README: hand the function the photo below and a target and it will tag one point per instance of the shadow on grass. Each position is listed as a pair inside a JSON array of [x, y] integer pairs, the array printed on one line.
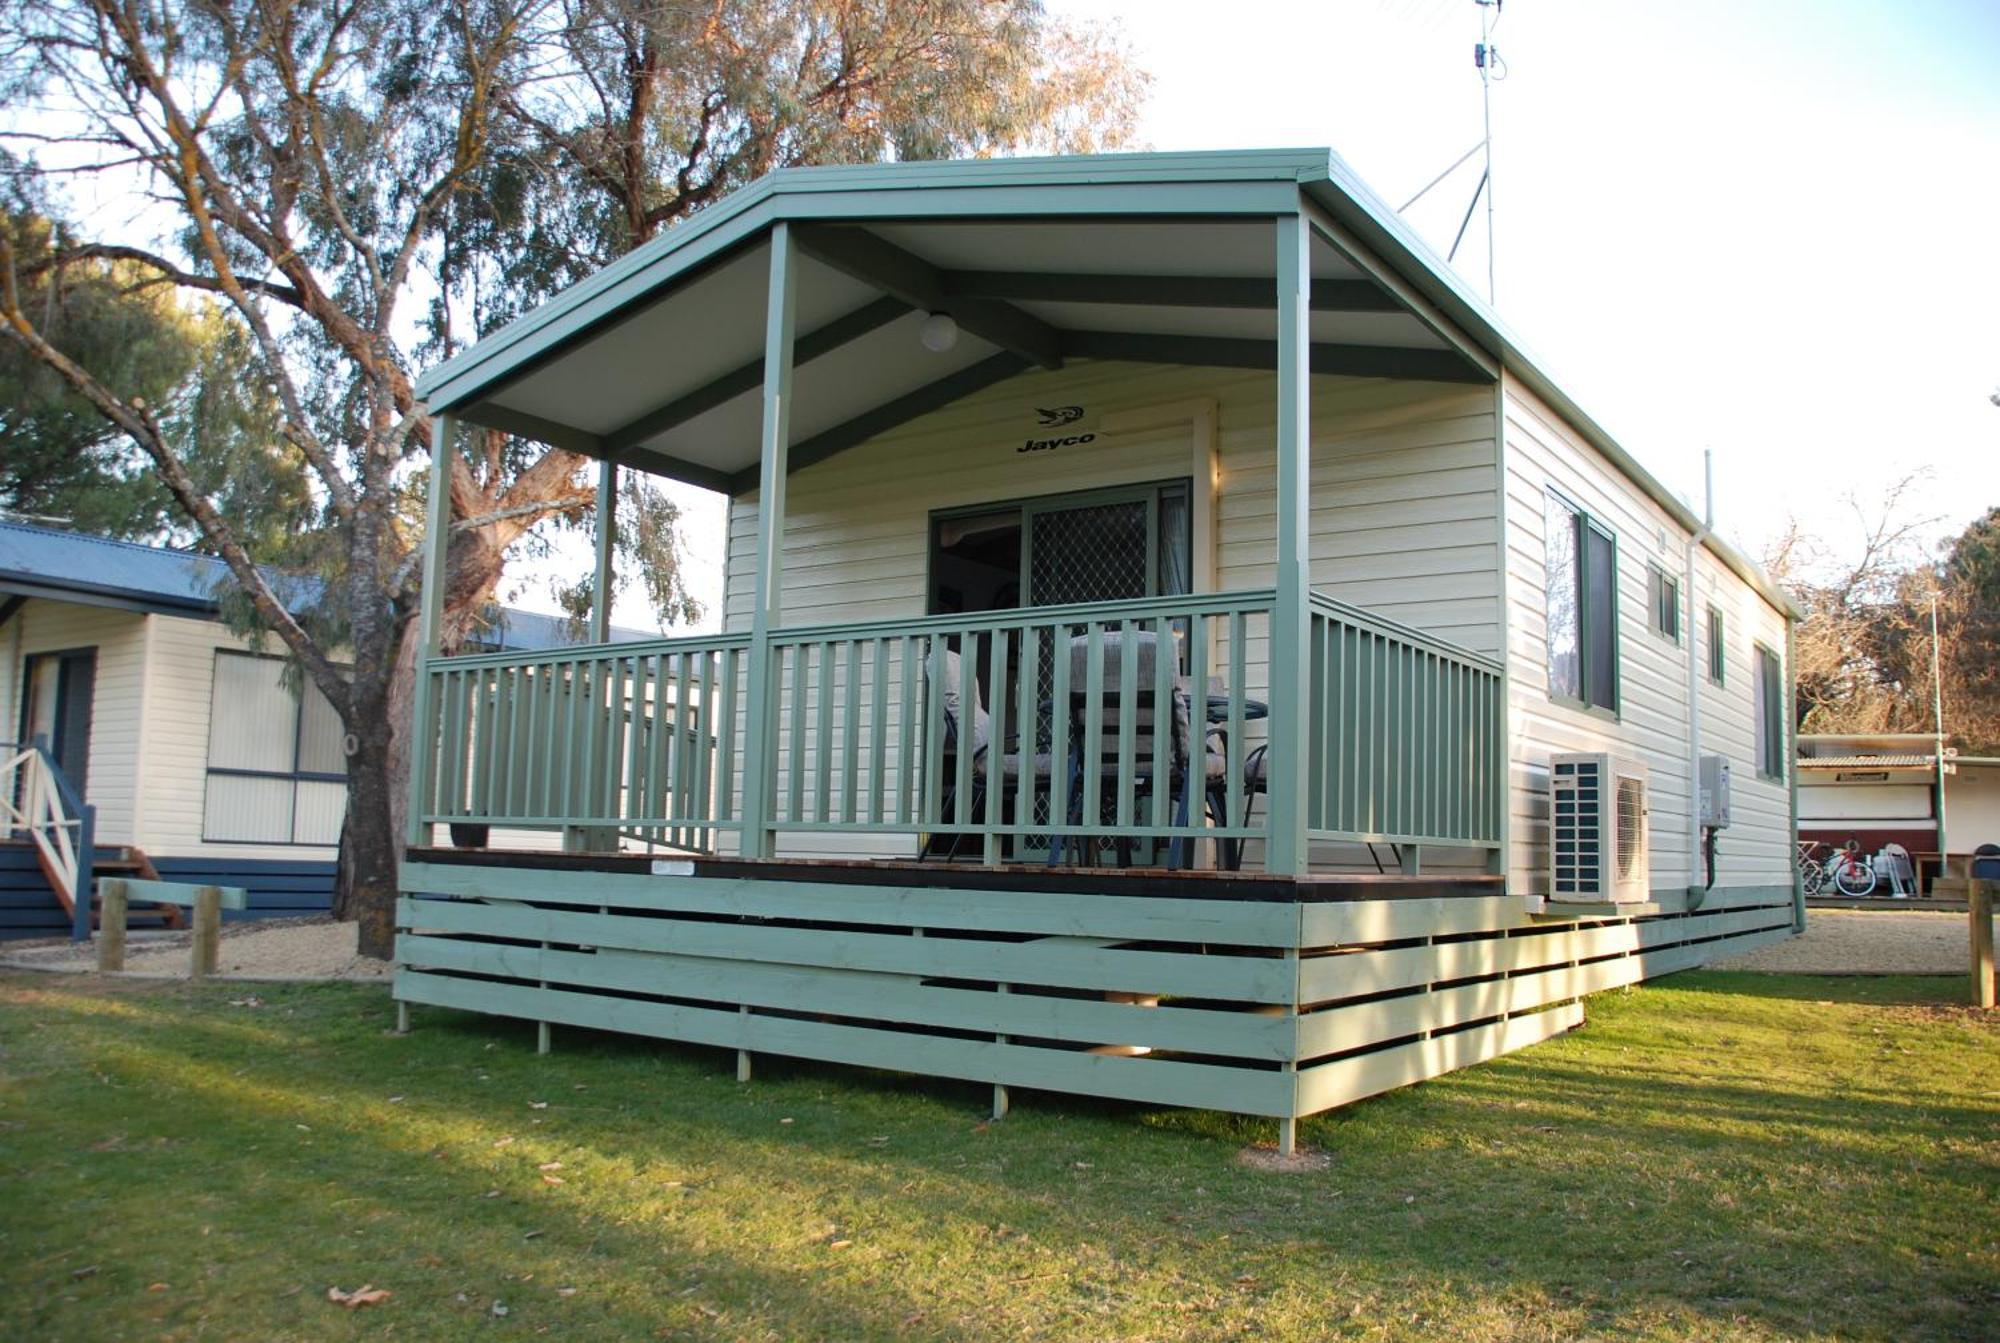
[[1567, 1181]]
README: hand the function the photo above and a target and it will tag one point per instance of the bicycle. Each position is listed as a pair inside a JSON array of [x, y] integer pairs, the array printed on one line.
[[1847, 870]]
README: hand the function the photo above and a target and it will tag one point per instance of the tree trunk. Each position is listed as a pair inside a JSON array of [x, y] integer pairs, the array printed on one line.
[[370, 842]]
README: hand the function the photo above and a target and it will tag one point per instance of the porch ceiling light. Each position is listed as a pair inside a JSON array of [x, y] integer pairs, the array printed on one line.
[[938, 333]]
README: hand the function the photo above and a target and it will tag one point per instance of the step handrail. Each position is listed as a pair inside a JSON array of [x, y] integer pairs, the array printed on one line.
[[38, 799]]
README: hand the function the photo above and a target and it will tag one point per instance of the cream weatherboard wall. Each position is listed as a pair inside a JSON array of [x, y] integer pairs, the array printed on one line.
[[116, 740], [1544, 454], [150, 719], [1403, 490], [180, 699], [1404, 515]]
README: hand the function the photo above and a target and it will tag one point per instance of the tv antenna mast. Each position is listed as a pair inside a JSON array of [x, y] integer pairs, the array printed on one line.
[[1486, 57]]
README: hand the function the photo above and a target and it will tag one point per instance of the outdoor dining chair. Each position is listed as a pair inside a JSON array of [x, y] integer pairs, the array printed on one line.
[[1146, 715], [968, 726]]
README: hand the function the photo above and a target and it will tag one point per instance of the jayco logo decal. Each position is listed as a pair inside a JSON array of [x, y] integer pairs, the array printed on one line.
[[1056, 417], [1051, 444]]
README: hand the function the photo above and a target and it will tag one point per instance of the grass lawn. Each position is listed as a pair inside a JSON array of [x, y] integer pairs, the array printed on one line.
[[1719, 1155]]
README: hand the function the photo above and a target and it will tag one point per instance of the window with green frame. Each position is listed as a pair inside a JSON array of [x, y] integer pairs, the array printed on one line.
[[1768, 694], [1582, 592], [1663, 598], [1718, 650]]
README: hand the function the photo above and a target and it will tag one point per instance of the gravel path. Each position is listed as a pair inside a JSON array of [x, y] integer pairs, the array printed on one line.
[[1865, 941], [1836, 941], [269, 948]]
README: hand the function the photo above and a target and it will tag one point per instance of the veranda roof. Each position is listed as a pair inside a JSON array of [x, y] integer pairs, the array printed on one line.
[[656, 361]]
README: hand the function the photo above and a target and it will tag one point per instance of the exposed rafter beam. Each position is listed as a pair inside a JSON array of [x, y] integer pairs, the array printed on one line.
[[874, 260], [881, 419], [749, 377], [1365, 361], [524, 425], [1163, 291]]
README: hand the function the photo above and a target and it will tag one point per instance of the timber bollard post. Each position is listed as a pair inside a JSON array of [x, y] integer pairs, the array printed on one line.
[[111, 925], [207, 931], [1979, 912]]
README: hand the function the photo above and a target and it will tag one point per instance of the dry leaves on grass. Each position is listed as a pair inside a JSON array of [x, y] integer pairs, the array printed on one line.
[[368, 1294]]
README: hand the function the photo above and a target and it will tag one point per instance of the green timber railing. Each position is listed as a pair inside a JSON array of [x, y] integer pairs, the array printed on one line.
[[867, 742], [1407, 734], [635, 737], [871, 743]]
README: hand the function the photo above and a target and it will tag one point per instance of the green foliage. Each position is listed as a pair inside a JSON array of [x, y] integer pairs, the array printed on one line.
[[1716, 1156], [186, 359]]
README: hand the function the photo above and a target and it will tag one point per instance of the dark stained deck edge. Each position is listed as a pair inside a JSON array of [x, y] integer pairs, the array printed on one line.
[[1156, 883]]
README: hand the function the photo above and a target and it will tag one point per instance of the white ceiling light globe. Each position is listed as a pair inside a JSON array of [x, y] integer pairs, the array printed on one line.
[[938, 333]]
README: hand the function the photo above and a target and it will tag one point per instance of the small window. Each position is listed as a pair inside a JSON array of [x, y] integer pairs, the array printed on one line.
[[1769, 714], [1582, 591], [1663, 596], [277, 773], [1718, 650]]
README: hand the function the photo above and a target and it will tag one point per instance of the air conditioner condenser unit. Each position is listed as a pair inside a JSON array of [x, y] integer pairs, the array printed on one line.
[[1598, 831]]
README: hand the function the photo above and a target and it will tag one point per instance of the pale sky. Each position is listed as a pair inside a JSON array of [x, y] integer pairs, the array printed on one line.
[[1770, 229]]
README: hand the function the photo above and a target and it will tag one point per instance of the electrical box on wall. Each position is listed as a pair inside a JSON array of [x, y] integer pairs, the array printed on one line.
[[1715, 792]]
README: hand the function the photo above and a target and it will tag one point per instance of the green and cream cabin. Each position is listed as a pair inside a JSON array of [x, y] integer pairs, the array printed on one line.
[[1212, 429]]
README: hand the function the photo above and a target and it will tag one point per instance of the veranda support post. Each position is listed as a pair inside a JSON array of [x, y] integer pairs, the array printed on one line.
[[430, 616], [599, 839], [607, 537], [1286, 758], [765, 614]]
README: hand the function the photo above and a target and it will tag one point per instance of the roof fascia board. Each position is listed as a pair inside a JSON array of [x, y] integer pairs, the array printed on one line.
[[115, 599]]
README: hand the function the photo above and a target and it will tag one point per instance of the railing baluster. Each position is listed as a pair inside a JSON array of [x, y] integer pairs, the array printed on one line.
[[850, 737], [1128, 717], [967, 748], [823, 748], [1060, 748], [725, 737], [908, 715], [878, 728], [1093, 726], [795, 759], [933, 737], [1195, 785], [1028, 728], [996, 750], [696, 807], [1238, 629]]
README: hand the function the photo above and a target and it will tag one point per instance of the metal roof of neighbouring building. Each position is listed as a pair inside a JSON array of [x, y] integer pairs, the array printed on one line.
[[58, 565]]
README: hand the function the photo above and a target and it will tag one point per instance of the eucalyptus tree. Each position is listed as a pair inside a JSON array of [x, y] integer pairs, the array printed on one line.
[[293, 164], [357, 187]]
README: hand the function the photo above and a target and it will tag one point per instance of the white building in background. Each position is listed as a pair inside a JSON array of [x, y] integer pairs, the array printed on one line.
[[1887, 788]]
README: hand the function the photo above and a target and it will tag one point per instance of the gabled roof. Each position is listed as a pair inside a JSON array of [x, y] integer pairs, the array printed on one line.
[[1165, 258], [46, 562]]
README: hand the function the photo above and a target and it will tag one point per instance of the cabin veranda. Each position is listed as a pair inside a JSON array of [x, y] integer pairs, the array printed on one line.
[[1158, 601]]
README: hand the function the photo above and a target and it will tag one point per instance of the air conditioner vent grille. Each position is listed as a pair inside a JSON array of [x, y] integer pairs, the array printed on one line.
[[1597, 829]]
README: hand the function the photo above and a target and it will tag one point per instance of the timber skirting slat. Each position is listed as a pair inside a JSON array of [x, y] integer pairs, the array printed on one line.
[[1098, 982]]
